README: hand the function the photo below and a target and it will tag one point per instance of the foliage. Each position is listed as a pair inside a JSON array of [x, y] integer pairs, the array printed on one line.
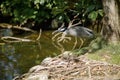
[[42, 10], [22, 10], [90, 9]]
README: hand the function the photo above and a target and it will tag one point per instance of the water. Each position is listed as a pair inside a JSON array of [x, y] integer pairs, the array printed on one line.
[[17, 58]]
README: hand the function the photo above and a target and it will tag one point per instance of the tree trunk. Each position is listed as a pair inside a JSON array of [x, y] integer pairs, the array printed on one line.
[[111, 21]]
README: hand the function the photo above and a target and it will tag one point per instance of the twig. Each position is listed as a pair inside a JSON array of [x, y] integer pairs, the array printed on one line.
[[24, 28], [59, 46], [76, 15], [71, 22], [76, 24], [15, 39], [53, 38], [57, 30], [89, 72], [39, 35]]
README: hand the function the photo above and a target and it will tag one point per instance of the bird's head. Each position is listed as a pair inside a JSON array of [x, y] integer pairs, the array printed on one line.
[[62, 29]]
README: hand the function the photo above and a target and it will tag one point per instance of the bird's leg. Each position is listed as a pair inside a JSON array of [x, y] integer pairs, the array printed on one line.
[[82, 41], [75, 43]]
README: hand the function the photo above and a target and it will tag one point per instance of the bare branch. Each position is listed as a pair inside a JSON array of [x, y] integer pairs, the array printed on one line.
[[71, 22], [76, 24], [53, 38], [15, 39], [39, 35], [72, 25], [63, 24], [23, 28], [5, 25], [76, 15]]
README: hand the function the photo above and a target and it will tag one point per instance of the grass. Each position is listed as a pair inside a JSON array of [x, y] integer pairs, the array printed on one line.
[[109, 53]]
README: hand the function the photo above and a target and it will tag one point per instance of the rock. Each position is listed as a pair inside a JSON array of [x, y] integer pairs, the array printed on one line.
[[6, 32], [46, 61], [36, 68], [39, 76]]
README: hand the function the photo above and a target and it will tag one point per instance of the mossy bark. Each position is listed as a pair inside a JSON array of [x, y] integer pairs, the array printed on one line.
[[111, 21]]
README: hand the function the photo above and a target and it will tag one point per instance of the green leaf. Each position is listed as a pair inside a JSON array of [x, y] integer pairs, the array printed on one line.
[[56, 10], [42, 2], [90, 8], [100, 12], [49, 5], [16, 13], [36, 1], [93, 15]]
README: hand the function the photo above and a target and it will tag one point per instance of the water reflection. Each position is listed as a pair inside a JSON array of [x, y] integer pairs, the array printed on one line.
[[8, 62], [17, 58]]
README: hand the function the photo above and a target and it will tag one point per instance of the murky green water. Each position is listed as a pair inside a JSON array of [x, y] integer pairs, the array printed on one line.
[[17, 58]]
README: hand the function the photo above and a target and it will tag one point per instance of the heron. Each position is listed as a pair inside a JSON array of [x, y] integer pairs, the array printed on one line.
[[77, 31]]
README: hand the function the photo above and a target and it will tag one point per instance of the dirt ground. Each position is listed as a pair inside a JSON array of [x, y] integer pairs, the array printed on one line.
[[71, 67]]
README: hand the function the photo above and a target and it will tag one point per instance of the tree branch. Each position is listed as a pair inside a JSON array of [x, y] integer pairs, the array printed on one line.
[[5, 25]]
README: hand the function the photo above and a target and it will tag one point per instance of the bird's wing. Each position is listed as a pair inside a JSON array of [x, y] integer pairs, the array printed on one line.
[[89, 30]]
